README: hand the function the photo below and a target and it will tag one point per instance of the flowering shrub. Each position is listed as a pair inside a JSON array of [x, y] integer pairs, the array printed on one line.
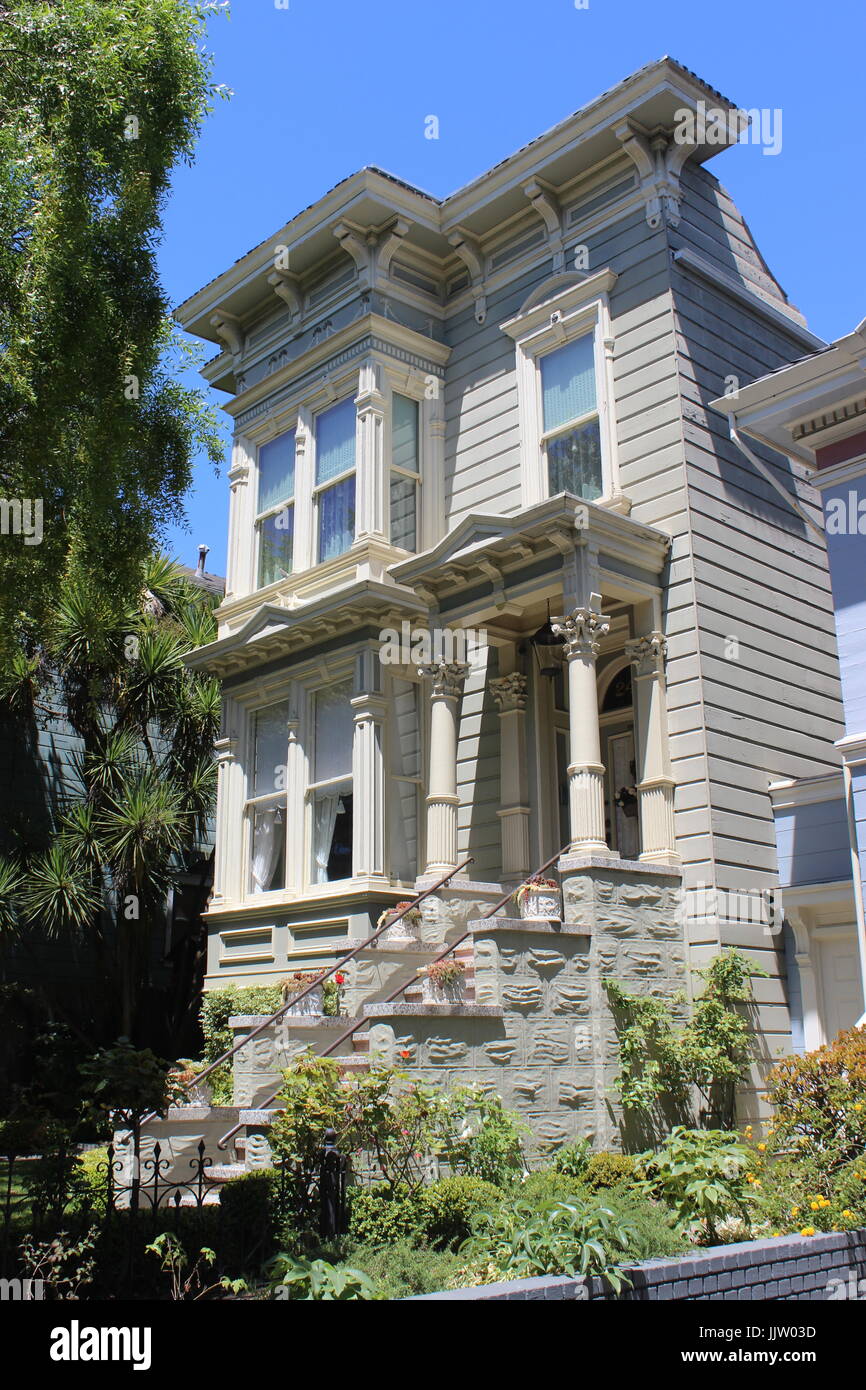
[[444, 973], [820, 1102], [410, 914]]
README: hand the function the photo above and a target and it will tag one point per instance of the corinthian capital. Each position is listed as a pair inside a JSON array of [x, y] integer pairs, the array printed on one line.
[[647, 654], [447, 677], [509, 692], [581, 632]]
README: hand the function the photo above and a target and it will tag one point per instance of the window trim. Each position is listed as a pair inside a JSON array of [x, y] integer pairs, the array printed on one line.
[[317, 489], [392, 469], [556, 313]]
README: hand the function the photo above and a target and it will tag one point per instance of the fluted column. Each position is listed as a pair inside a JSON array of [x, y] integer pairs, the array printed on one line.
[[655, 781], [447, 683], [509, 692], [368, 780], [581, 632]]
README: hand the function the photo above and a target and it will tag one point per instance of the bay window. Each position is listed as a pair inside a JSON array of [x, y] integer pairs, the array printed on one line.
[[571, 437], [330, 791], [334, 490], [275, 510], [405, 471], [265, 810]]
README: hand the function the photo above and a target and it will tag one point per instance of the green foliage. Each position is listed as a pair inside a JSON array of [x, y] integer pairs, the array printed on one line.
[[546, 1185], [186, 1278], [125, 1083], [318, 1280], [820, 1101], [92, 1186], [383, 1215], [450, 1205], [572, 1159], [662, 1060], [605, 1170], [99, 102], [576, 1237], [481, 1137], [402, 1270], [701, 1174], [65, 1264], [251, 1215], [219, 1005], [805, 1193]]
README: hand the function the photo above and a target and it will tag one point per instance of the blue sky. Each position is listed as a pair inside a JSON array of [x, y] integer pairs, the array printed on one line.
[[323, 87]]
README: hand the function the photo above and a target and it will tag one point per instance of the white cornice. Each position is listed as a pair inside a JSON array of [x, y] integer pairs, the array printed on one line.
[[808, 791]]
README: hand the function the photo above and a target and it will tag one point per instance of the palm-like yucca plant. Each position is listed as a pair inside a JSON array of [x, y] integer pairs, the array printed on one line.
[[11, 880], [149, 684], [164, 586], [198, 778], [58, 894]]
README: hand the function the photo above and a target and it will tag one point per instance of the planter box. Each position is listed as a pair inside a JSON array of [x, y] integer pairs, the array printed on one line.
[[311, 1006], [407, 929], [543, 904], [434, 993]]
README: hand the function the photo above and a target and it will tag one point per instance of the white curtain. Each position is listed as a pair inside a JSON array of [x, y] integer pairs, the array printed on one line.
[[266, 848], [324, 819]]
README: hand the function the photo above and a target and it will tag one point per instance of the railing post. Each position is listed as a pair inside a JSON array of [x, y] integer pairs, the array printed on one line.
[[332, 1189]]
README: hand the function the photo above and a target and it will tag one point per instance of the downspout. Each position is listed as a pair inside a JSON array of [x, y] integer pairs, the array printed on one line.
[[858, 881]]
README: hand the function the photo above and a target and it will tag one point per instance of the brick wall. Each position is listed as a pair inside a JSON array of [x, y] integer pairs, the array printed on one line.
[[820, 1267]]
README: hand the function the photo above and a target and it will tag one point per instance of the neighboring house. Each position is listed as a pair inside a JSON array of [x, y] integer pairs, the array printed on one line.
[[465, 415], [813, 413]]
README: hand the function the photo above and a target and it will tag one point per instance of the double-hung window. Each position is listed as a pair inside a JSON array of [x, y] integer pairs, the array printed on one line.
[[571, 438], [266, 799], [335, 479], [405, 475], [330, 790], [275, 509]]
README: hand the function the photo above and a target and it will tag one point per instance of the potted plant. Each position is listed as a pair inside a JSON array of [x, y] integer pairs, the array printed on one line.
[[186, 1089], [408, 928], [332, 993], [539, 899], [312, 1005], [443, 982]]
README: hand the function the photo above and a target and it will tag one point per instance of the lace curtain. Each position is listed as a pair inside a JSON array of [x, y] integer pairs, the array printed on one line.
[[266, 849], [325, 810]]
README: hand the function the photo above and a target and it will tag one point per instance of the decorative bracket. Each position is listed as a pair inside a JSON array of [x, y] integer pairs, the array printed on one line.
[[228, 330], [288, 286], [470, 252], [358, 247], [391, 244], [546, 204], [659, 161]]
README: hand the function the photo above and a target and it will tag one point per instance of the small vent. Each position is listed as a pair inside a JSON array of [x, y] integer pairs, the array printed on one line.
[[599, 200], [413, 277], [517, 248]]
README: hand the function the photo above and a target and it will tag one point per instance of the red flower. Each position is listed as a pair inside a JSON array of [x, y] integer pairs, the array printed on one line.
[[405, 1052], [340, 978]]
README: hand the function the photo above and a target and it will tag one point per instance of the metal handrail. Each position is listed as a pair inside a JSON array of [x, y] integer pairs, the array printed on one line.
[[319, 980], [359, 1022]]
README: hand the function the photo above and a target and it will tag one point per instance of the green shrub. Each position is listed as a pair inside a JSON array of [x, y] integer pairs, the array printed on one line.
[[401, 1270], [219, 1005], [93, 1181], [820, 1101], [318, 1280], [654, 1231], [798, 1194], [382, 1215], [701, 1174], [545, 1185], [519, 1240], [450, 1205], [573, 1159], [250, 1219], [606, 1170]]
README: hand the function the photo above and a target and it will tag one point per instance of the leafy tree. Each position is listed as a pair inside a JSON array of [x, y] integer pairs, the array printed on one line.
[[99, 101], [146, 774]]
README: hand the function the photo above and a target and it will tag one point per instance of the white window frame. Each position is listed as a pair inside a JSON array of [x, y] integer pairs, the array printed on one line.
[[253, 803], [262, 516], [316, 489], [343, 677], [555, 314]]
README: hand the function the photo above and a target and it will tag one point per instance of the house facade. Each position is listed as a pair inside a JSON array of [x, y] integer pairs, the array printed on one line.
[[500, 584], [813, 413]]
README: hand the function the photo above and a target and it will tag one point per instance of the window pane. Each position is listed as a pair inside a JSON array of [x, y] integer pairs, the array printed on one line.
[[268, 859], [404, 434], [336, 519], [276, 471], [335, 441], [335, 723], [271, 741], [403, 495], [276, 537], [568, 382], [574, 462]]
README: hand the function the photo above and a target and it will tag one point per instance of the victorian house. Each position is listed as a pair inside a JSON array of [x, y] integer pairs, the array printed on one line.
[[500, 582]]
